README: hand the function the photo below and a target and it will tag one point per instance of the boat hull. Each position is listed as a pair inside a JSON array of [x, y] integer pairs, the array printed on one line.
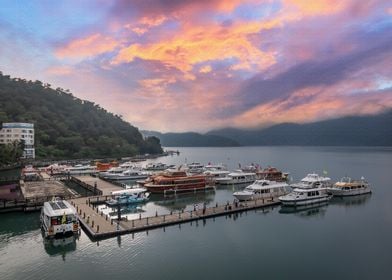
[[305, 201], [340, 192]]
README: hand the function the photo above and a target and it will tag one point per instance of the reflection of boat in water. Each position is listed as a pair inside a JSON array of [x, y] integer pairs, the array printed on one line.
[[180, 201], [351, 200], [305, 210], [59, 246]]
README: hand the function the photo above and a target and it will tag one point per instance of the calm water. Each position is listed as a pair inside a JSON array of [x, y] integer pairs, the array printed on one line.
[[347, 239]]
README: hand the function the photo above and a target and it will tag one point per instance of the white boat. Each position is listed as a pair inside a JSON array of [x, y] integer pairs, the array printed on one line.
[[129, 190], [59, 217], [80, 169], [263, 189], [215, 174], [195, 168], [156, 167], [131, 174], [346, 186], [215, 167], [128, 196], [305, 196], [112, 172], [313, 180], [236, 178]]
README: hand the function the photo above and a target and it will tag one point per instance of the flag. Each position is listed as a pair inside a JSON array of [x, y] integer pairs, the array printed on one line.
[[325, 172], [64, 219]]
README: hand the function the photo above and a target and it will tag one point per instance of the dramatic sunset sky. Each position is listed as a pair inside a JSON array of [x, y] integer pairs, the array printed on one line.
[[181, 65]]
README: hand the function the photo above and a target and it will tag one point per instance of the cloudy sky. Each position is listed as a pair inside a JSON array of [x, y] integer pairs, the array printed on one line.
[[182, 65]]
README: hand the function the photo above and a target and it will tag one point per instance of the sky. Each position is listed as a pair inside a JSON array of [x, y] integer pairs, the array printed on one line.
[[182, 65]]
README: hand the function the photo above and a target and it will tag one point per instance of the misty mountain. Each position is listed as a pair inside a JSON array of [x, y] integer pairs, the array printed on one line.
[[370, 130], [191, 139]]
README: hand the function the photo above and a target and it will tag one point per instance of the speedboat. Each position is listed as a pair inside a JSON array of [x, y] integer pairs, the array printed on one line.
[[128, 196], [195, 168], [236, 178], [346, 186], [262, 189]]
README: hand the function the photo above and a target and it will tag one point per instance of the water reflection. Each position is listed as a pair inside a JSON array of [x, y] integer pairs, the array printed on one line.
[[348, 201], [317, 209], [60, 246], [182, 201]]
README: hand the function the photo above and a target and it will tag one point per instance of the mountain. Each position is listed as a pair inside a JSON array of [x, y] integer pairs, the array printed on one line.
[[191, 139], [68, 127], [370, 130]]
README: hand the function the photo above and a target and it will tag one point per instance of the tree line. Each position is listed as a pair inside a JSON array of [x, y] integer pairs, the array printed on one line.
[[69, 127]]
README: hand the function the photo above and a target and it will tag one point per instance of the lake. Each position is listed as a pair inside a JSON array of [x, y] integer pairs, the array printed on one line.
[[350, 238]]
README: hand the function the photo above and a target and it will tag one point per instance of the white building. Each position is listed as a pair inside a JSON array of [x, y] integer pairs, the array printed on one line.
[[19, 131]]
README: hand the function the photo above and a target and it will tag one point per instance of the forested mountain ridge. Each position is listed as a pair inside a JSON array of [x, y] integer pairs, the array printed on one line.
[[68, 127]]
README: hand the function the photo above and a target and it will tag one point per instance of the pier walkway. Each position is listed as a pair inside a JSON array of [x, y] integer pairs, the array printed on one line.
[[97, 225], [95, 184]]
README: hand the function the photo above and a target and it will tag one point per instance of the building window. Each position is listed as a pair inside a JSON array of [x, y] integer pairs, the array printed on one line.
[[30, 131], [24, 131], [8, 130]]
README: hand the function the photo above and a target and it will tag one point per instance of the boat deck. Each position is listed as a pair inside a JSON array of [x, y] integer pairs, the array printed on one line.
[[99, 226]]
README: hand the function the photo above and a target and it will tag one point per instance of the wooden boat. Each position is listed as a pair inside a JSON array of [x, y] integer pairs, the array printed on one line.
[[271, 174], [176, 181]]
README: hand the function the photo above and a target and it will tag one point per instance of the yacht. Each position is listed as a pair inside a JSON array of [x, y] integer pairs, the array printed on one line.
[[80, 169], [215, 167], [313, 180], [118, 174], [215, 174], [347, 186], [59, 217], [305, 196], [311, 189], [263, 189], [195, 168], [237, 178], [156, 166]]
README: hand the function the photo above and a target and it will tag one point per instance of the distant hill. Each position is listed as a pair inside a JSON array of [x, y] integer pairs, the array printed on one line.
[[191, 139], [68, 127], [371, 130]]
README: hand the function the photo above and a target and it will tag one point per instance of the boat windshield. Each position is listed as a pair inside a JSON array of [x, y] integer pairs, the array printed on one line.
[[64, 219]]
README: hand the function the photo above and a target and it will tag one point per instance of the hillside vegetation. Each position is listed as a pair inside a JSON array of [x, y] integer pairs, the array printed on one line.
[[68, 127]]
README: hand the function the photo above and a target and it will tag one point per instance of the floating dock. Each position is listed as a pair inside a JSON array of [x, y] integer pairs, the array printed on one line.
[[96, 185], [98, 226]]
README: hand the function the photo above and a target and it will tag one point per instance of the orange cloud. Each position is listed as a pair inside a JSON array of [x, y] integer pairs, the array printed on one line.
[[195, 45], [318, 7], [87, 47]]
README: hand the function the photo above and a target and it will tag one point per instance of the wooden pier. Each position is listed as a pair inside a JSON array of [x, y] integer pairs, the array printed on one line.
[[96, 185], [98, 226]]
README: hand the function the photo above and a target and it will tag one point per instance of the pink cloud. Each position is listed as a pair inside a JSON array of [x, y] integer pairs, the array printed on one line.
[[89, 46]]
